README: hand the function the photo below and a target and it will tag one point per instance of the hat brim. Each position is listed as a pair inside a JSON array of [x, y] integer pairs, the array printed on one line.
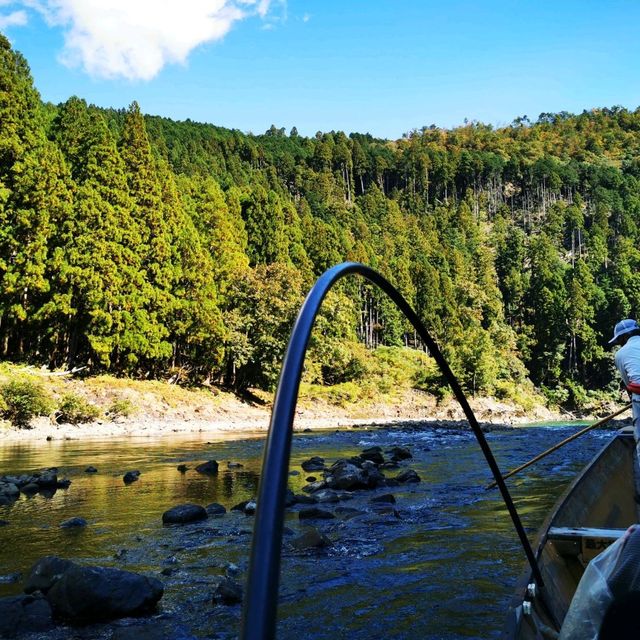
[[615, 339]]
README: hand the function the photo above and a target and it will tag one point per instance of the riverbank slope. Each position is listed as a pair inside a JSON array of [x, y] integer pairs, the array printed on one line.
[[125, 407]]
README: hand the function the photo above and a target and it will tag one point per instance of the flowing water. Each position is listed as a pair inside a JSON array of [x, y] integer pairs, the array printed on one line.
[[446, 567]]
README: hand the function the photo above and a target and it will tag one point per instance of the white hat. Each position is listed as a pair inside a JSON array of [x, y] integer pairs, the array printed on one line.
[[623, 327]]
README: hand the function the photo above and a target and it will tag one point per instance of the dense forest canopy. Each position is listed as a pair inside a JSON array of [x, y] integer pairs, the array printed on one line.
[[139, 245]]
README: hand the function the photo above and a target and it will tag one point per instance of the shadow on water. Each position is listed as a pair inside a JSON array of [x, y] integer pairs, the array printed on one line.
[[443, 567]]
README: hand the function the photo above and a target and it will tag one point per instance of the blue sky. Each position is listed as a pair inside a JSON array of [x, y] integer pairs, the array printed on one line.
[[378, 66]]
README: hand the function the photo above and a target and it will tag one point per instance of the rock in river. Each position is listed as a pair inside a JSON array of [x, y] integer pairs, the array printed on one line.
[[344, 474], [130, 476], [24, 614], [45, 573], [408, 476], [91, 594], [227, 591], [73, 523], [215, 509], [184, 513], [310, 538], [316, 463], [209, 468], [400, 453], [385, 498], [308, 513], [374, 454]]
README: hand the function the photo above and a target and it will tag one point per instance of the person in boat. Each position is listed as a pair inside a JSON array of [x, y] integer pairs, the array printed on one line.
[[627, 334]]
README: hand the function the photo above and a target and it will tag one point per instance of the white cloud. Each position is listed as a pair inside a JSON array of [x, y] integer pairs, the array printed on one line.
[[13, 19], [135, 39]]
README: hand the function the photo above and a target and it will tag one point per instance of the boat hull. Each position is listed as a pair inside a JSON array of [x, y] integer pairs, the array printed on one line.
[[596, 509]]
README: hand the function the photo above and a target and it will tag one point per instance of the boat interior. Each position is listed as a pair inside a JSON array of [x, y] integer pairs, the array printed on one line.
[[595, 511]]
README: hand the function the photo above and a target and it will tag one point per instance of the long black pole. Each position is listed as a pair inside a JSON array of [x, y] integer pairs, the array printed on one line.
[[261, 600]]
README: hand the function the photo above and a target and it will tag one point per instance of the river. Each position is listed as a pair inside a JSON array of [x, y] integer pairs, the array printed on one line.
[[445, 568]]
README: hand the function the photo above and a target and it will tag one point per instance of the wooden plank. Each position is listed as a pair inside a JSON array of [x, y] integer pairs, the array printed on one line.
[[584, 532]]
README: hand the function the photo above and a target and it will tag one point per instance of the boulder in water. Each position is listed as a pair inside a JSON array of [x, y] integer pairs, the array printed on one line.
[[184, 513], [227, 591], [344, 474], [309, 513], [45, 573], [316, 463], [310, 538], [91, 594], [215, 509], [373, 454], [385, 498], [130, 476], [400, 453], [24, 614], [408, 476], [73, 523], [209, 468], [30, 489]]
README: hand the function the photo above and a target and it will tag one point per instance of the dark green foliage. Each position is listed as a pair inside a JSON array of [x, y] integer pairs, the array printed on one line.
[[140, 245], [23, 400]]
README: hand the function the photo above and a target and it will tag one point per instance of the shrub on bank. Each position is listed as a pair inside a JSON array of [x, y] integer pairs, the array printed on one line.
[[74, 409], [120, 408], [22, 400]]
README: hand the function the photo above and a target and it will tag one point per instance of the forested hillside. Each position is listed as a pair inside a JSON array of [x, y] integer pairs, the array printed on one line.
[[142, 246]]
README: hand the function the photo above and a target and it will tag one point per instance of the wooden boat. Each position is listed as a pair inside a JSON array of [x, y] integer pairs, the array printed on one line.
[[596, 510]]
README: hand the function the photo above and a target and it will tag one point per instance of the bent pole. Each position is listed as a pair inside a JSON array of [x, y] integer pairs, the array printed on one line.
[[259, 613], [599, 423]]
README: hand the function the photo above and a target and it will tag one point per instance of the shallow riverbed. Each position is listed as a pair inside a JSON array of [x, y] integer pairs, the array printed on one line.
[[445, 568]]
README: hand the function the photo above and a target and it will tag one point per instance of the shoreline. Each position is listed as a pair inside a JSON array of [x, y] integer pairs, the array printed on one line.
[[156, 409], [237, 421], [159, 410]]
